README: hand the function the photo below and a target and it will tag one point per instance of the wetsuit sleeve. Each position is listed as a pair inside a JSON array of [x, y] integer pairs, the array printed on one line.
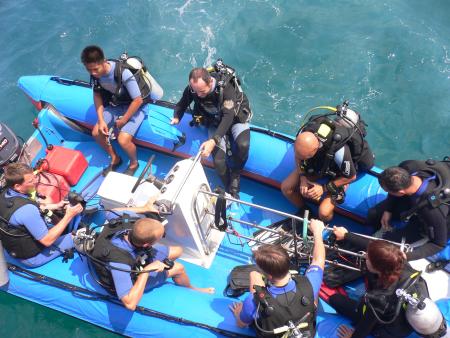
[[122, 280], [436, 224], [248, 310], [183, 104], [344, 162], [229, 105], [131, 84], [315, 277], [358, 242], [30, 217]]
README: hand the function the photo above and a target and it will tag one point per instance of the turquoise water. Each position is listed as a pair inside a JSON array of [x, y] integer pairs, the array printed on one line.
[[391, 60]]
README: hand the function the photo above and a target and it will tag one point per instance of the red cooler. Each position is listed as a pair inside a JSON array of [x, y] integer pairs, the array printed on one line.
[[68, 163]]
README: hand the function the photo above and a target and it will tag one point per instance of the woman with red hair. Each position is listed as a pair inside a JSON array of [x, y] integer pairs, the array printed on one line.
[[375, 313]]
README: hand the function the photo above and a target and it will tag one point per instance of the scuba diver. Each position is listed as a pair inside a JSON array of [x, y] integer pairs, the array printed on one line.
[[381, 312], [24, 229], [221, 106], [329, 148], [418, 193], [120, 93], [128, 260], [279, 301]]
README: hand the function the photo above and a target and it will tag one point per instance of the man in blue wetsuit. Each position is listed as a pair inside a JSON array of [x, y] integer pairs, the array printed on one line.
[[23, 230], [277, 297], [131, 244], [119, 103]]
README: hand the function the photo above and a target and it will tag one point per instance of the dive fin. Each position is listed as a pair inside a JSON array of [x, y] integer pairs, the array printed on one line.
[[160, 125]]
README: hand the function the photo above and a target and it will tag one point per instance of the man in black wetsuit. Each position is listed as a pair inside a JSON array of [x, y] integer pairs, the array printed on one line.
[[412, 186], [222, 107], [310, 154]]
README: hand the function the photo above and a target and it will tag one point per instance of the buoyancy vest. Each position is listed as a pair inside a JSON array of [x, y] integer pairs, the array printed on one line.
[[291, 306], [121, 95], [210, 107], [106, 252], [17, 240], [333, 135], [440, 194], [385, 302]]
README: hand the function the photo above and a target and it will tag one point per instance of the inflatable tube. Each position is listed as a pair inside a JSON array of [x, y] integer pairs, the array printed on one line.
[[166, 311]]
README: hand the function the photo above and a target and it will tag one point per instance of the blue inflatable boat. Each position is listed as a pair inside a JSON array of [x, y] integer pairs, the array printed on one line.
[[66, 115]]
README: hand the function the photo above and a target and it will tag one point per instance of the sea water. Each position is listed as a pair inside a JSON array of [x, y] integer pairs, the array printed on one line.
[[389, 59]]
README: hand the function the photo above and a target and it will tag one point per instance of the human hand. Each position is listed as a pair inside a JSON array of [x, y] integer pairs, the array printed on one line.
[[236, 308], [385, 221], [103, 128], [304, 185], [339, 232], [315, 192], [120, 123], [207, 147], [72, 211], [61, 204], [316, 226], [175, 120], [345, 331], [157, 266], [150, 205]]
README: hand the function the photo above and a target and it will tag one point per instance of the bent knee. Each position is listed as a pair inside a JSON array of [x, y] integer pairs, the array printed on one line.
[[178, 269], [95, 132], [287, 188], [124, 139], [175, 252], [326, 211]]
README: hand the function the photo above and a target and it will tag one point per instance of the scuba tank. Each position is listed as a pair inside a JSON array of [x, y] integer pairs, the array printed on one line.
[[4, 277], [424, 316], [136, 64]]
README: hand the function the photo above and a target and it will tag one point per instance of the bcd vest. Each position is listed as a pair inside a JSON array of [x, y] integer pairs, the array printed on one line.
[[121, 95], [106, 252], [332, 136], [385, 301], [17, 240], [440, 194], [211, 105], [291, 306]]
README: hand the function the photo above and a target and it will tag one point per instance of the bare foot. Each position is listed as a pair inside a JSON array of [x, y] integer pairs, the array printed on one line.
[[204, 290]]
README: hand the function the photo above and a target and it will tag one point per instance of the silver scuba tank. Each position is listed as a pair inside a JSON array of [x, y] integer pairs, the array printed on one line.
[[348, 118], [423, 315], [4, 277], [426, 321]]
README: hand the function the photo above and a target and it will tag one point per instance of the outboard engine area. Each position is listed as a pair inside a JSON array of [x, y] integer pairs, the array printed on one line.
[[9, 146], [189, 213]]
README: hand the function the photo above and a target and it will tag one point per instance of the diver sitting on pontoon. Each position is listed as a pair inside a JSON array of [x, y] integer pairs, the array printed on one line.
[[330, 146], [419, 194]]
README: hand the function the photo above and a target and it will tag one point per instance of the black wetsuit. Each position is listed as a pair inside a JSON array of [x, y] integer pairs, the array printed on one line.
[[225, 114], [363, 318], [431, 222]]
